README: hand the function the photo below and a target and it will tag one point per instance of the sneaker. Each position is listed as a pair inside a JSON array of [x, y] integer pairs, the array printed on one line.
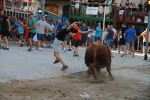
[[47, 46], [64, 68], [27, 45], [69, 50], [123, 54], [50, 47], [64, 50], [74, 53], [133, 56], [6, 48], [21, 45], [30, 50], [56, 61], [128, 52], [1, 47], [40, 49], [119, 51], [77, 55]]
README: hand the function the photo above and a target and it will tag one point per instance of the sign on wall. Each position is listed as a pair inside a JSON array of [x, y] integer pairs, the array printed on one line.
[[92, 10]]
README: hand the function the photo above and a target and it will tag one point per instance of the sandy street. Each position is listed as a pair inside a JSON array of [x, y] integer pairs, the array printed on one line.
[[131, 83]]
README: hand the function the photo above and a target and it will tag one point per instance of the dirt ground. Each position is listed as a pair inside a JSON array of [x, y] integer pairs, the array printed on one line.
[[131, 83]]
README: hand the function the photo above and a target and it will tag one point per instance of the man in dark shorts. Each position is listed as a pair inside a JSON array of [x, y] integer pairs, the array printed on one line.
[[121, 35], [32, 28], [5, 29], [60, 37]]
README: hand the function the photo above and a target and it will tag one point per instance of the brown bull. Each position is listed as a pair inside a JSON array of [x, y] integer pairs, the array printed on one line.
[[98, 56]]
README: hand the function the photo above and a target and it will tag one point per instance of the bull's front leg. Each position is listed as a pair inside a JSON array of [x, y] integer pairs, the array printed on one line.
[[94, 71], [89, 73]]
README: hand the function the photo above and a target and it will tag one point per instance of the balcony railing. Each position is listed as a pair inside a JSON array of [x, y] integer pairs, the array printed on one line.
[[99, 10], [23, 7]]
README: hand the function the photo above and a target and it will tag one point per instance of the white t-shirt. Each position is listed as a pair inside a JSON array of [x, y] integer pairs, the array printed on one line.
[[104, 34], [93, 33], [114, 30], [41, 26], [89, 35], [25, 0]]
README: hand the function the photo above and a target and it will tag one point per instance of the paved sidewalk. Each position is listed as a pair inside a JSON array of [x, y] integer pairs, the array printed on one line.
[[19, 64]]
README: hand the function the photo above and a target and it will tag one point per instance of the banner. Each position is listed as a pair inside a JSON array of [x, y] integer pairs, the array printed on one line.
[[92, 10]]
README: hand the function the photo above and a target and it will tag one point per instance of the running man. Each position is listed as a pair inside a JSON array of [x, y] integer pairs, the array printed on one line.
[[5, 29], [129, 36], [32, 28], [60, 37]]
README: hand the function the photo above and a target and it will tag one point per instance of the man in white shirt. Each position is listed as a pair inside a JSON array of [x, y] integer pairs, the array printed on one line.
[[41, 30], [114, 38]]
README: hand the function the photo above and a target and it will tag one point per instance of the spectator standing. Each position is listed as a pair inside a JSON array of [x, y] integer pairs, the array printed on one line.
[[104, 35], [21, 31], [127, 10], [11, 24], [144, 35], [134, 11], [59, 25], [32, 28], [121, 36], [93, 36], [84, 36], [84, 7], [98, 32], [26, 32], [77, 5], [72, 6], [142, 14], [129, 35], [41, 30], [109, 37], [140, 6], [89, 39], [15, 29], [114, 45], [121, 10], [5, 29], [51, 29]]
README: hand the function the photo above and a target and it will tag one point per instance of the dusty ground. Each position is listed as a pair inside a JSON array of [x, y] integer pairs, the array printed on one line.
[[131, 83]]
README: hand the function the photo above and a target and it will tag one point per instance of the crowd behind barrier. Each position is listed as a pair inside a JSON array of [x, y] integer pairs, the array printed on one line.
[[125, 10]]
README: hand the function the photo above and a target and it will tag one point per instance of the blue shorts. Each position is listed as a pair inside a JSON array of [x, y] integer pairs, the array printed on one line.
[[109, 42], [129, 42], [31, 35], [40, 36]]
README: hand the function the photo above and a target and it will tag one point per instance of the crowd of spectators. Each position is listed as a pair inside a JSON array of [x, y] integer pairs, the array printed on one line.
[[19, 5], [128, 11]]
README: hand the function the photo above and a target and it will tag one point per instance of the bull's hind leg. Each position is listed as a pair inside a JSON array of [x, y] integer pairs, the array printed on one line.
[[109, 72]]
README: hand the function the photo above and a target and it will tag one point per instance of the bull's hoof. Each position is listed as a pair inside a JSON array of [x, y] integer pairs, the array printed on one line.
[[95, 78], [87, 76], [112, 78]]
